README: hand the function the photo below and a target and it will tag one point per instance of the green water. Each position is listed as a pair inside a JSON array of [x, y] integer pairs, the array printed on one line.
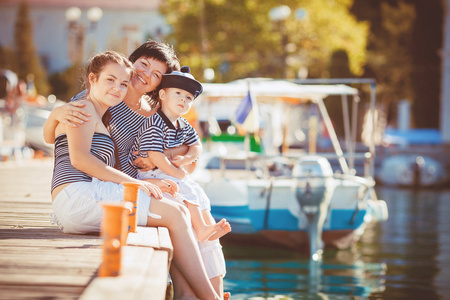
[[406, 257]]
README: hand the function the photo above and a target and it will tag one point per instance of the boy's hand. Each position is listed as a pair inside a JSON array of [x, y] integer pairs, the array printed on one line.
[[143, 163], [177, 161], [181, 173]]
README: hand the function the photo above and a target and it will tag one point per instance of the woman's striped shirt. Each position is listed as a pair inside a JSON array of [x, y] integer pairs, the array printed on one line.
[[123, 128], [102, 147]]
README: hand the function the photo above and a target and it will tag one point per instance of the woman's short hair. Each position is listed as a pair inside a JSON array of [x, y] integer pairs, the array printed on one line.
[[161, 52]]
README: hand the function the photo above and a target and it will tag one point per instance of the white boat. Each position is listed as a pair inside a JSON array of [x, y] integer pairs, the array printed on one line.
[[412, 158], [411, 170], [21, 121], [292, 198]]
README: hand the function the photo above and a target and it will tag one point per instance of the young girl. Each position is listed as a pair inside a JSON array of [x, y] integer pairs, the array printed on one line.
[[166, 130], [84, 174]]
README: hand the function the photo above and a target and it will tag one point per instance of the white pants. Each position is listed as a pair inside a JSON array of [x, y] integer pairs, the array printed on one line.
[[213, 259], [77, 208], [188, 189]]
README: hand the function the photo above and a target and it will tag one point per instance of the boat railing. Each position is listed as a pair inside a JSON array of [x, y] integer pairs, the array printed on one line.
[[251, 158], [367, 182]]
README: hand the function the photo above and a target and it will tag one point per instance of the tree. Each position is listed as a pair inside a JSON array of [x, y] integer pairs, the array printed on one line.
[[7, 60], [339, 68], [27, 60], [425, 50], [240, 40], [403, 53]]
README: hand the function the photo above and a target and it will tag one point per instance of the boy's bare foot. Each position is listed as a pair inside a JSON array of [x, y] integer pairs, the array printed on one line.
[[226, 296], [207, 231], [224, 228]]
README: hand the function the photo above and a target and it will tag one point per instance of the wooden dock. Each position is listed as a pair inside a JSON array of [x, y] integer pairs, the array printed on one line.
[[38, 261]]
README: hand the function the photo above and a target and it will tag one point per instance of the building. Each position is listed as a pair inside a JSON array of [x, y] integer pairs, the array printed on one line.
[[69, 30], [445, 86]]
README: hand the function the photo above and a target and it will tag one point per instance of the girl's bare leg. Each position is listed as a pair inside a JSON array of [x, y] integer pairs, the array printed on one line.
[[183, 291], [186, 255], [181, 288], [202, 230]]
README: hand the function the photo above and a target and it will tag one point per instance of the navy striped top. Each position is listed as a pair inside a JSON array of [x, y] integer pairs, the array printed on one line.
[[102, 147], [158, 133], [123, 128]]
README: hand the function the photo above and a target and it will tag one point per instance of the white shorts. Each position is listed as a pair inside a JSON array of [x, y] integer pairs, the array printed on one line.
[[188, 189], [77, 208]]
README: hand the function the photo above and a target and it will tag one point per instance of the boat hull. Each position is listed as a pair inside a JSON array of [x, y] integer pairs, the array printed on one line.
[[270, 210]]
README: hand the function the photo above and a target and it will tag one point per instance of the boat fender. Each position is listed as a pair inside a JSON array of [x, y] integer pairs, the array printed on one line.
[[378, 209]]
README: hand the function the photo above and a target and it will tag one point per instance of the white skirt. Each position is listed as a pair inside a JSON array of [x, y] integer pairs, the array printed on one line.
[[77, 208]]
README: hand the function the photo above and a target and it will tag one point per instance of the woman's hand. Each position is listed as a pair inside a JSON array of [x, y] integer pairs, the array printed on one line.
[[72, 114], [166, 185], [143, 163], [150, 189]]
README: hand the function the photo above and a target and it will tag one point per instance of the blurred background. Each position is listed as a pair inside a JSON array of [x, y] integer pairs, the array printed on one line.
[[400, 46], [399, 43]]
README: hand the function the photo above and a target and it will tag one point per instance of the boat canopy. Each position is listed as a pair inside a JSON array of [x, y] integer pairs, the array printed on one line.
[[270, 89]]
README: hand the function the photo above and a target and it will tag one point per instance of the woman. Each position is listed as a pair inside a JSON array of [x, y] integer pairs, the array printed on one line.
[[150, 60]]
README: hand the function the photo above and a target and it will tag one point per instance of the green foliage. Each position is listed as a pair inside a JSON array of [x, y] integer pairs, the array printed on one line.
[[7, 60], [390, 56], [242, 41], [68, 83], [404, 54], [339, 68], [26, 58], [426, 48]]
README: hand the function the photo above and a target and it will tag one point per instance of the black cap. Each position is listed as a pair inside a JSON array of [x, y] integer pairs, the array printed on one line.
[[182, 80]]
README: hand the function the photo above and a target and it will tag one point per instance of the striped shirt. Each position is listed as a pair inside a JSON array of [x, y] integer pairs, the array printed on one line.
[[158, 133], [123, 128], [102, 147]]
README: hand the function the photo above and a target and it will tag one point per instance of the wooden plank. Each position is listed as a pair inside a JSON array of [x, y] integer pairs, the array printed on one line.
[[38, 261], [145, 267], [135, 267], [155, 284], [49, 291], [144, 236], [165, 242]]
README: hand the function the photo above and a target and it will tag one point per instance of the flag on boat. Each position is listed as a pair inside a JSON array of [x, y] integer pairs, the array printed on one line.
[[246, 115]]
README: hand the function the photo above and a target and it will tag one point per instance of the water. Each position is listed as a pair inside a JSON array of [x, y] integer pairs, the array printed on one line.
[[406, 257]]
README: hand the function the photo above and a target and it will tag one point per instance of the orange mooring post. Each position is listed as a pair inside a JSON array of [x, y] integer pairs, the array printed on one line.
[[130, 194], [111, 231], [127, 208]]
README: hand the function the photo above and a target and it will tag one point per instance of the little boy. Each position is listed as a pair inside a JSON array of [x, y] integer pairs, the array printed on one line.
[[167, 129]]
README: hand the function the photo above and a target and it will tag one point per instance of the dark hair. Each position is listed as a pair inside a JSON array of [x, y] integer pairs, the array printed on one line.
[[161, 52], [99, 61]]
